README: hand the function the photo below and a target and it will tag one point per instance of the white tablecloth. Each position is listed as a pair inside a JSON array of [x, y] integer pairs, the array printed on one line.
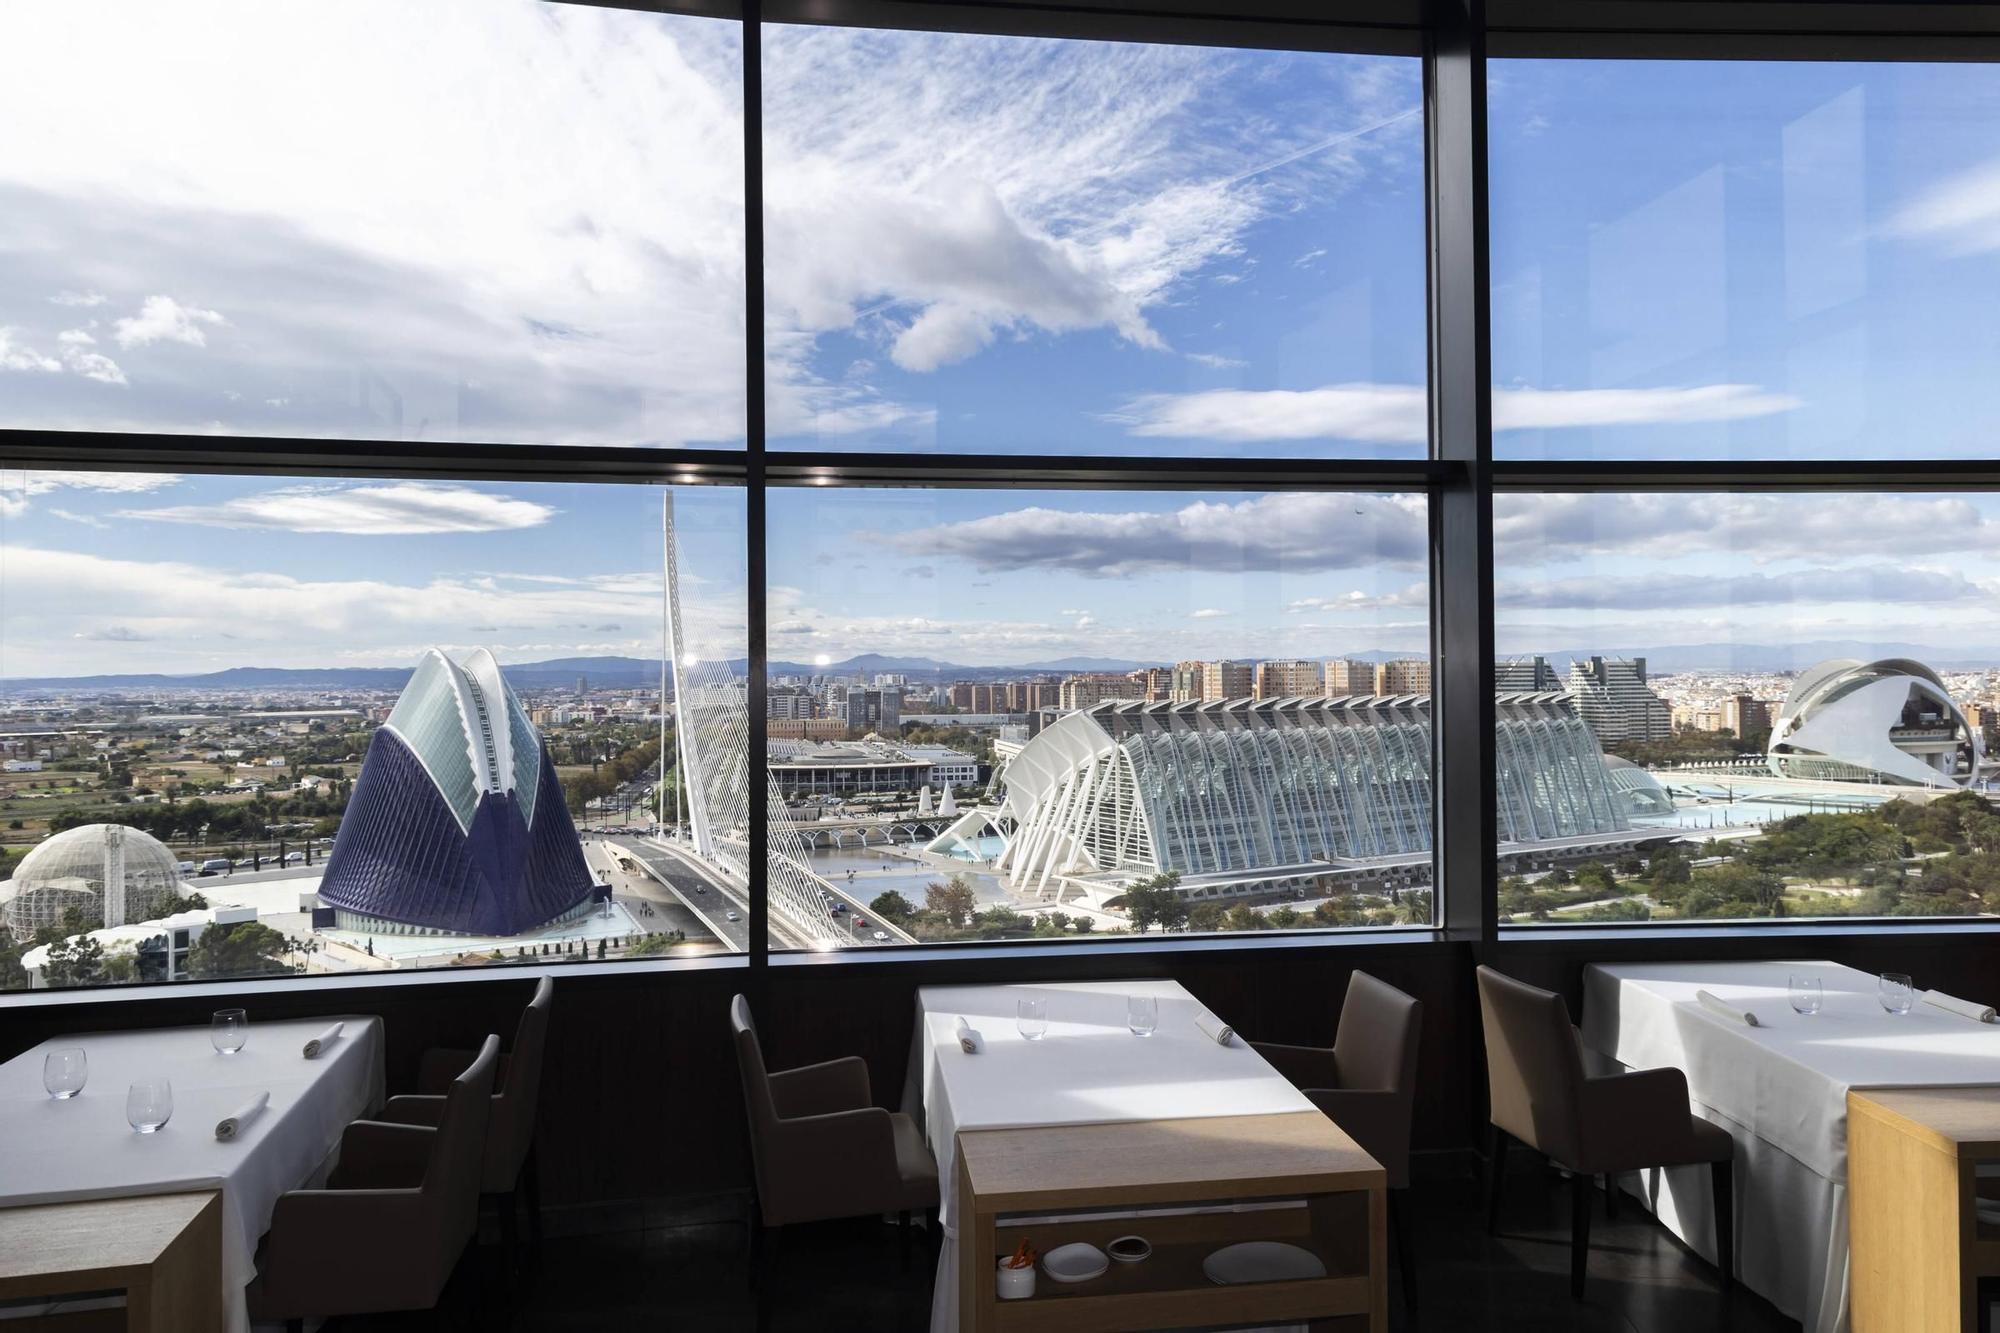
[[54, 1152], [1781, 1090], [1089, 1069]]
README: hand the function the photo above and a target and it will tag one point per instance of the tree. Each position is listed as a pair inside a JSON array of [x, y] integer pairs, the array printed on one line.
[[1206, 918], [248, 948], [1595, 875], [76, 961], [892, 906], [953, 901], [193, 902], [1157, 901]]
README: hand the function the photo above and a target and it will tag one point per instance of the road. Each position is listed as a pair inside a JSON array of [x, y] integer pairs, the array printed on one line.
[[710, 899]]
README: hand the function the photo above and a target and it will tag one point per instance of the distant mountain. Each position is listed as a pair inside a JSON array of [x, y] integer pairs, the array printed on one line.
[[622, 671], [1762, 658]]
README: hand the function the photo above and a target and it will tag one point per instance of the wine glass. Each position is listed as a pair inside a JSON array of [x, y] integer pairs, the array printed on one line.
[[228, 1030], [64, 1072], [1808, 995], [1031, 1018], [1895, 992], [1142, 1014], [149, 1104]]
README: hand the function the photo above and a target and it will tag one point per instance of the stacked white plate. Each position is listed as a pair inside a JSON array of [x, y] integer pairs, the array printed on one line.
[[1261, 1261], [1075, 1262]]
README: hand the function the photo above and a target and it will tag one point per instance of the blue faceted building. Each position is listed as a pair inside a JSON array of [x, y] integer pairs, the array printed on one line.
[[457, 824]]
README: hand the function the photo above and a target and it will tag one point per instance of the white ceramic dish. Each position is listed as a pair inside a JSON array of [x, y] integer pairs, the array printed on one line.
[[1261, 1261], [1075, 1262]]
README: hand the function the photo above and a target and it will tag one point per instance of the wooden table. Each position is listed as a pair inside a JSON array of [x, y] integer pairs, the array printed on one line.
[[164, 1251], [1918, 1247], [1006, 1175]]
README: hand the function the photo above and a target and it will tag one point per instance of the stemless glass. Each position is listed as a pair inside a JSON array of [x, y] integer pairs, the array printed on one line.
[[1031, 1018], [64, 1072], [228, 1030], [1807, 994], [1142, 1014], [149, 1104], [1894, 991]]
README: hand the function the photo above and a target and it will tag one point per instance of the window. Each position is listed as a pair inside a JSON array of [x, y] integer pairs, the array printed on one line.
[[349, 724], [1782, 705], [1012, 245], [1756, 260], [1004, 715], [494, 221]]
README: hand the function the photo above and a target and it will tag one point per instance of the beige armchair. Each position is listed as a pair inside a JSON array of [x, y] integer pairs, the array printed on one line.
[[821, 1149], [509, 1170], [1367, 1084], [396, 1214], [1539, 1094]]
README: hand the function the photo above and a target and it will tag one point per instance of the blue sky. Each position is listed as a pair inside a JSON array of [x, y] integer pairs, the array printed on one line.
[[974, 244]]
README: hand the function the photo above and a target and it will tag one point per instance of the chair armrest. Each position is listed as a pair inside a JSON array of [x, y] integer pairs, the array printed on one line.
[[441, 1064], [841, 1164], [319, 1227], [810, 1090], [375, 1155], [1377, 1120], [1635, 1119], [1303, 1066], [413, 1110]]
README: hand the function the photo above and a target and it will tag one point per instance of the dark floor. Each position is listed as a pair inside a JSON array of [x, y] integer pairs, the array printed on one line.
[[680, 1265]]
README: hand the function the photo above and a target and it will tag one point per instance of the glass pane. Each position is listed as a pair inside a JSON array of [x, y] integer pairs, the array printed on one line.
[[1024, 245], [1745, 706], [1744, 260], [250, 725], [1039, 715], [480, 220]]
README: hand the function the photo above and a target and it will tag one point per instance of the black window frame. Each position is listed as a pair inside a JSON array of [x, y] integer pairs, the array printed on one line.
[[1460, 476]]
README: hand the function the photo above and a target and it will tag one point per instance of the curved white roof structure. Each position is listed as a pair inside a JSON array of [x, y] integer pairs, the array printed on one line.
[[464, 725], [112, 873], [1888, 721]]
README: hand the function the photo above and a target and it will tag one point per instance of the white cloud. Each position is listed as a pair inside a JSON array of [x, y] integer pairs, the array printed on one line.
[[1415, 594], [78, 299], [163, 319], [1308, 258], [1960, 214], [17, 487], [1291, 532], [16, 356], [1533, 529], [372, 510], [1875, 585], [1207, 613], [1214, 362], [1396, 413]]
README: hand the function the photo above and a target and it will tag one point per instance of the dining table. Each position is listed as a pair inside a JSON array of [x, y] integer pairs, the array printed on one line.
[[1088, 1068], [83, 1147], [1780, 1088]]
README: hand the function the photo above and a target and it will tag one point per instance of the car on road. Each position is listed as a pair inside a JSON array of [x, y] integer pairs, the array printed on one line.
[[882, 936], [215, 865], [731, 915], [861, 923]]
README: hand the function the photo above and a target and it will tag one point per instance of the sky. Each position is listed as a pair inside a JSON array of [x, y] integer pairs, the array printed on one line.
[[521, 222]]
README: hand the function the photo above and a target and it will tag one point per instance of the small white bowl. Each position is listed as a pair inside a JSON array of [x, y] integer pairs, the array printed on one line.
[[1075, 1262], [1130, 1249], [1014, 1284]]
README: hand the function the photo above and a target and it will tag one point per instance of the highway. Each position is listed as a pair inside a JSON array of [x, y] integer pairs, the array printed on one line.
[[709, 899]]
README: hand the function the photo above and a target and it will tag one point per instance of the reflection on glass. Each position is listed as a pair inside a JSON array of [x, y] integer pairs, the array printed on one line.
[[1721, 259], [497, 221], [1028, 245], [1052, 715], [1775, 705]]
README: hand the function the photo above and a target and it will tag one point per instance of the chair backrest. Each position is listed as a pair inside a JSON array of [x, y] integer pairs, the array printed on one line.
[[512, 1132], [452, 1180], [756, 1089], [1376, 1045], [1534, 1066]]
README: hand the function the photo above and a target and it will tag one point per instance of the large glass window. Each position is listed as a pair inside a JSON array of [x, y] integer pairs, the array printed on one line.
[[1728, 259], [478, 220], [1776, 705], [1057, 714], [252, 725], [1008, 245]]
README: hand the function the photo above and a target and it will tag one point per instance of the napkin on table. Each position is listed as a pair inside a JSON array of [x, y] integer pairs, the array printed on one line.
[[1951, 1004], [1715, 1004], [232, 1124], [1214, 1028], [969, 1039], [322, 1041]]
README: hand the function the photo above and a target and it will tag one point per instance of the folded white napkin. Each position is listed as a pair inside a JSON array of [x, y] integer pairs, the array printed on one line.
[[1214, 1028], [322, 1041], [969, 1039], [1717, 1005], [232, 1124], [1951, 1004]]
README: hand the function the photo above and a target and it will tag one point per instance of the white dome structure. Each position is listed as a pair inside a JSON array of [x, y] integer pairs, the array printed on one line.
[[1889, 721], [111, 873]]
